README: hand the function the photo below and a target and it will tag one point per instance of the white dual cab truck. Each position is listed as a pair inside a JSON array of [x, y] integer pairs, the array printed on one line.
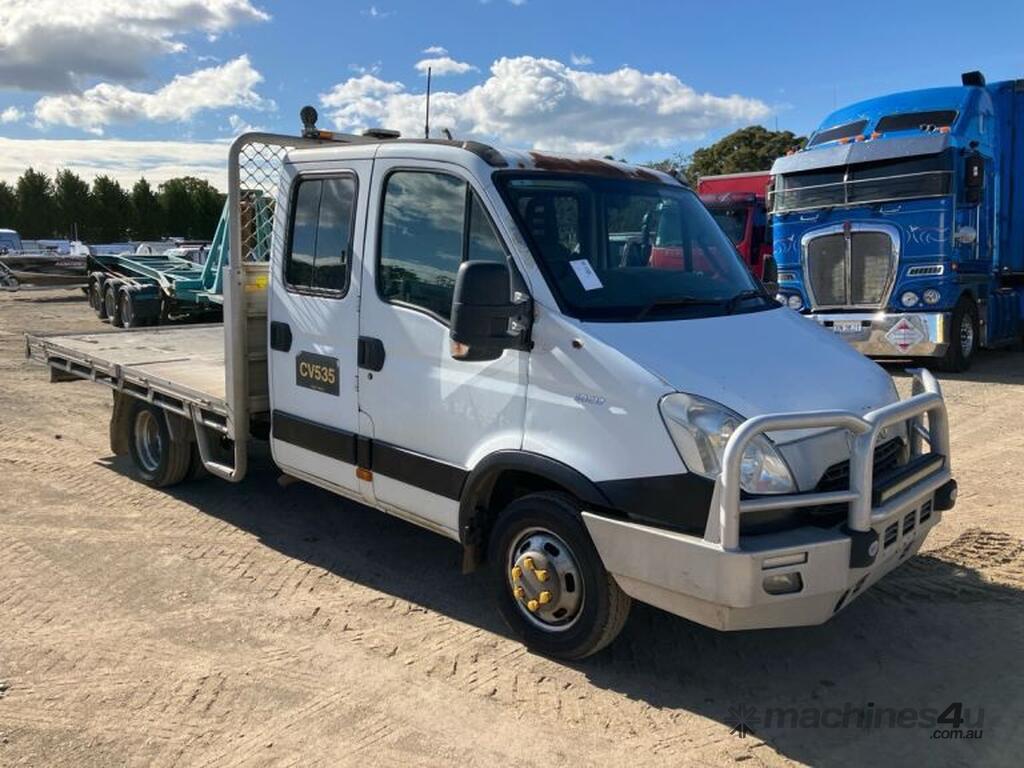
[[477, 341]]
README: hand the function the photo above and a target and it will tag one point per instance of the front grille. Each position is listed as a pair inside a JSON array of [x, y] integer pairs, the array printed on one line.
[[850, 269], [837, 477]]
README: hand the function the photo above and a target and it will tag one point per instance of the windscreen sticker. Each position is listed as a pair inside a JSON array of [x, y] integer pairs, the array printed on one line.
[[586, 275], [317, 372]]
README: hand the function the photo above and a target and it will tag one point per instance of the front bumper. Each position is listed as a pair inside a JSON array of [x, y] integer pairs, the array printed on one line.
[[720, 580], [891, 334]]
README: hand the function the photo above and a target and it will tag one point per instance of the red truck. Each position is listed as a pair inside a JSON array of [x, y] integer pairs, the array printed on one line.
[[738, 203]]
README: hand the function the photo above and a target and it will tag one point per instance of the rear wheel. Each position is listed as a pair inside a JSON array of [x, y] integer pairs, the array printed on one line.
[[963, 342], [550, 584], [97, 299], [111, 302], [159, 461], [129, 311]]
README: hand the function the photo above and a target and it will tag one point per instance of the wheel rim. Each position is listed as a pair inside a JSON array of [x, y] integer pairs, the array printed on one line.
[[111, 303], [543, 576], [126, 310], [149, 444], [966, 335]]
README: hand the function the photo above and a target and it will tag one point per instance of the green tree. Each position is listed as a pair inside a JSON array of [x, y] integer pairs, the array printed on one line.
[[8, 206], [147, 215], [191, 207], [72, 206], [35, 205], [754, 148], [112, 208]]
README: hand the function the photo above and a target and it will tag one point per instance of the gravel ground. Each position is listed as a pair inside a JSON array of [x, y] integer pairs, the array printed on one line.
[[261, 625]]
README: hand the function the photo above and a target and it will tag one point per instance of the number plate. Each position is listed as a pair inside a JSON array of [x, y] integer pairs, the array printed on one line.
[[846, 326]]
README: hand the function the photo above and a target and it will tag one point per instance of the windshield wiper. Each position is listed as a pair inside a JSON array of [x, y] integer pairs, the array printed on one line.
[[751, 293], [677, 301]]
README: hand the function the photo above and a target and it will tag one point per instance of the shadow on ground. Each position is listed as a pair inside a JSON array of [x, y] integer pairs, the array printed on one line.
[[931, 634]]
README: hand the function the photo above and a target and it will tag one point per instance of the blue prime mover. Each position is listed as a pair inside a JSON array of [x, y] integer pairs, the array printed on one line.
[[900, 226]]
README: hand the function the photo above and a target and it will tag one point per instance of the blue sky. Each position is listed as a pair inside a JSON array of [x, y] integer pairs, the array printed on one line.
[[159, 85]]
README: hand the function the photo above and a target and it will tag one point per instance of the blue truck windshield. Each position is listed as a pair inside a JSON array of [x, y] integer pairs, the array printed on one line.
[[619, 250], [864, 184]]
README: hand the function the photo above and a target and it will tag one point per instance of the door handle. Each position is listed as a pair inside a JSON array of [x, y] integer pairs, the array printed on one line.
[[280, 336], [370, 353]]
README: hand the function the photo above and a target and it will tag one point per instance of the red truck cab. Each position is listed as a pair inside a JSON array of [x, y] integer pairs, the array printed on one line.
[[738, 203]]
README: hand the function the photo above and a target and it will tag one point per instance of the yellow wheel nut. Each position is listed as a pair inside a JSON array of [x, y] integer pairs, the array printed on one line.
[[541, 574], [532, 606], [519, 592], [544, 597], [528, 563], [517, 572]]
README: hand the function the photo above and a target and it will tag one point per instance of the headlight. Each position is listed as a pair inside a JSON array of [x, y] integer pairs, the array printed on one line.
[[909, 299], [700, 430], [795, 302], [931, 296]]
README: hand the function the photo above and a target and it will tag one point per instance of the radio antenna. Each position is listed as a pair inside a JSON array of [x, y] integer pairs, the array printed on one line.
[[426, 122]]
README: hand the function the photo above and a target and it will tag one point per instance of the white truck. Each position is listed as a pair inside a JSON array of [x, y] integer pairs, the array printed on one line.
[[464, 337]]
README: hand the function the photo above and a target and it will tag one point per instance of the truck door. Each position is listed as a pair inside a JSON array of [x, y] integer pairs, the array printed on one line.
[[432, 417], [314, 311]]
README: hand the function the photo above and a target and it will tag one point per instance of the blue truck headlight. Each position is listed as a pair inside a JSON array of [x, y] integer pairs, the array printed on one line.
[[909, 299], [700, 429], [795, 302], [931, 296]]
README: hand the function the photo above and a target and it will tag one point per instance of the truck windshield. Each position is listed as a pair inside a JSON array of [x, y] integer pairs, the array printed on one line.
[[864, 183], [733, 222], [619, 250]]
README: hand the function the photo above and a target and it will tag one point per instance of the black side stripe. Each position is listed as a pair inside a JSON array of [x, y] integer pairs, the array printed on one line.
[[327, 441], [389, 460]]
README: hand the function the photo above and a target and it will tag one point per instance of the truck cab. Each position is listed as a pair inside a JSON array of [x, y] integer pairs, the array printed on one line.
[[896, 226], [738, 202], [547, 359]]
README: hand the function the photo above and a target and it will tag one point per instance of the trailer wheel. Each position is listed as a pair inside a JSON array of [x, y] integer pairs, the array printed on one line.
[[110, 303], [97, 299], [551, 587], [159, 461], [964, 338], [129, 310]]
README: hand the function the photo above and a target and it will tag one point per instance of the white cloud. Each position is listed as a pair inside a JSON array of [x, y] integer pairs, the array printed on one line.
[[125, 161], [436, 50], [376, 13], [444, 65], [56, 45], [580, 60], [12, 115], [543, 103], [229, 85]]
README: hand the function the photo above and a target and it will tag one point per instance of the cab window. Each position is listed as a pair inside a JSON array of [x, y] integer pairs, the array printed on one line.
[[320, 238], [430, 223]]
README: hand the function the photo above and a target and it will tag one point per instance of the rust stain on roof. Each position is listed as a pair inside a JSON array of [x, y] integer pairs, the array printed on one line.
[[593, 166]]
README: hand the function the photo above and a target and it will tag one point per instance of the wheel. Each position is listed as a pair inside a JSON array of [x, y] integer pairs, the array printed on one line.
[[550, 584], [159, 461], [128, 311], [964, 338], [97, 300], [110, 303]]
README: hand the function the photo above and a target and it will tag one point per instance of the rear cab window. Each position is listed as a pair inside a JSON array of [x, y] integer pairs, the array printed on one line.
[[318, 258]]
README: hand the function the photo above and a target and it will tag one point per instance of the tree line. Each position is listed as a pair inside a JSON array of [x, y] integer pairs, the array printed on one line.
[[753, 148], [67, 207]]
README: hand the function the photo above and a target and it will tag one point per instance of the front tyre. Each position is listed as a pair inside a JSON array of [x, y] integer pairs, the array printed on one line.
[[963, 342], [159, 461], [549, 582]]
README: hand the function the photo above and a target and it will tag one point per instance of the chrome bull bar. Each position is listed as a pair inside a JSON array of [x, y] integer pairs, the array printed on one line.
[[926, 398]]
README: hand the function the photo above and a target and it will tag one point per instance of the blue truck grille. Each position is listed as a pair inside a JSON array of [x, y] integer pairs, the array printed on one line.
[[850, 269]]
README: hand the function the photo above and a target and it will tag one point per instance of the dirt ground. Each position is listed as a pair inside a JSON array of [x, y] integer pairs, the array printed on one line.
[[261, 625]]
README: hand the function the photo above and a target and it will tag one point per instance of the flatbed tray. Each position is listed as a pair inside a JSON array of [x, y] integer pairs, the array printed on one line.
[[184, 363]]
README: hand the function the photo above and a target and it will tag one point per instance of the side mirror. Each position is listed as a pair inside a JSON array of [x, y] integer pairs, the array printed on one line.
[[485, 319], [770, 274]]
